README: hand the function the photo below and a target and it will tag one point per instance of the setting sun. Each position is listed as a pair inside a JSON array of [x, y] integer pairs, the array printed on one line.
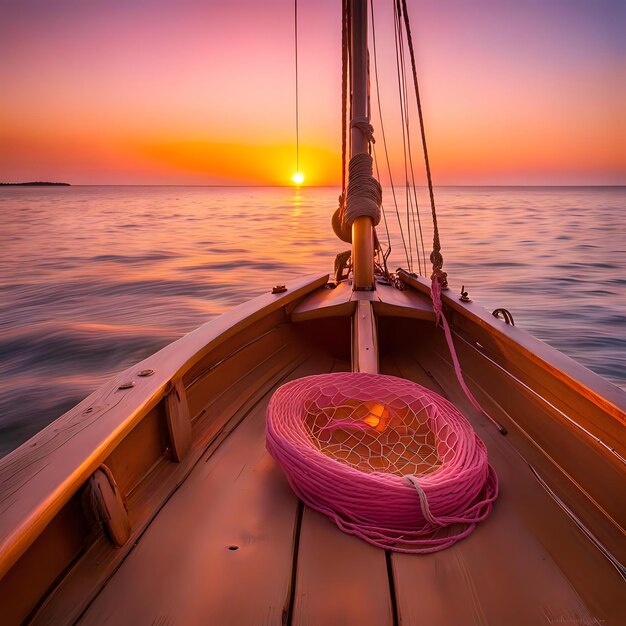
[[298, 178]]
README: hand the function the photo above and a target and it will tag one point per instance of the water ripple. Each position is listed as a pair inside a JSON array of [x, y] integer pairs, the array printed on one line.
[[93, 279]]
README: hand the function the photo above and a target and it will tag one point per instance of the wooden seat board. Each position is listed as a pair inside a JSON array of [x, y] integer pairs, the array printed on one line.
[[408, 303], [325, 302], [188, 574], [509, 570], [340, 301]]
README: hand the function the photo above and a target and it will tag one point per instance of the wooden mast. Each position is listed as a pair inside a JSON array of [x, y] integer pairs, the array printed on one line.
[[362, 227]]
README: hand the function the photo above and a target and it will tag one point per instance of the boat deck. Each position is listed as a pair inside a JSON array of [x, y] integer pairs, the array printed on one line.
[[233, 545]]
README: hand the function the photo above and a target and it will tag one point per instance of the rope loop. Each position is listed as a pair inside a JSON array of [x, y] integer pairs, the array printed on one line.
[[340, 227]]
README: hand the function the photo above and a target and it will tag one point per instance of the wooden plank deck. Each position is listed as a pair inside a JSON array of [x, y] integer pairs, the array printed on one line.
[[527, 564], [221, 550], [339, 579]]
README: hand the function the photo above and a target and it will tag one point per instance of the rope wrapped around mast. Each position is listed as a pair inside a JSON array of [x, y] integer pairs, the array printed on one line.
[[363, 197]]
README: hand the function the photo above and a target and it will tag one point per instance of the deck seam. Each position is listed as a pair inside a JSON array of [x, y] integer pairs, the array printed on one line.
[[288, 610], [540, 448], [254, 400], [578, 523], [392, 589]]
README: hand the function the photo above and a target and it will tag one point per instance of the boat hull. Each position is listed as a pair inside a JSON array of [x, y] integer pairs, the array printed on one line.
[[217, 536]]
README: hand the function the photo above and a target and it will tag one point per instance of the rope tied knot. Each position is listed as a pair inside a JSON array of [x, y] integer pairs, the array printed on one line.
[[436, 259], [363, 124]]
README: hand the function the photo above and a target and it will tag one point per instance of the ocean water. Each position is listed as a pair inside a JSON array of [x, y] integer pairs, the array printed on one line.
[[93, 279]]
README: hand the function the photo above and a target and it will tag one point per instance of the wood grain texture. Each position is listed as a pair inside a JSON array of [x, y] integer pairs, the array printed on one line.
[[386, 300], [592, 469], [567, 377], [38, 478], [241, 390], [364, 339], [221, 550], [340, 579], [527, 564], [235, 365], [587, 476], [408, 303], [52, 552], [178, 420], [325, 302], [146, 445]]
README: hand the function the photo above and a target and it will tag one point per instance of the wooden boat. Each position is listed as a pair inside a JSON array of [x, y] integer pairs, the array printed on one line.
[[154, 500]]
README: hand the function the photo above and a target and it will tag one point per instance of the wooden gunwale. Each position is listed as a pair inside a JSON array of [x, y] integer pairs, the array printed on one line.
[[259, 516], [233, 405], [526, 350], [461, 337], [526, 532], [39, 477], [585, 474]]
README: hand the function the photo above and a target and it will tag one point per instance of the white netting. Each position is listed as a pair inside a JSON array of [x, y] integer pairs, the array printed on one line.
[[390, 435]]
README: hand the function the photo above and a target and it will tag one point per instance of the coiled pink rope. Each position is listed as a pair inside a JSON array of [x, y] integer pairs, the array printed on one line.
[[405, 513]]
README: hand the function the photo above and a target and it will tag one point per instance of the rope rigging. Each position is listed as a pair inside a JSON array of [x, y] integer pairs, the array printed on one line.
[[295, 30], [363, 195], [435, 256], [402, 102], [382, 130], [413, 239], [410, 186], [387, 460]]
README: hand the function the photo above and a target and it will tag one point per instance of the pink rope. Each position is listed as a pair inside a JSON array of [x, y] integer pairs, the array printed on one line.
[[441, 318], [404, 513]]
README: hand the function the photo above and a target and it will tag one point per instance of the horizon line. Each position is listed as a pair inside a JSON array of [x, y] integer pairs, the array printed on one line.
[[26, 184]]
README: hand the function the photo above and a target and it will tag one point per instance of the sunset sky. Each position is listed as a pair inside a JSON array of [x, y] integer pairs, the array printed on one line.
[[201, 91]]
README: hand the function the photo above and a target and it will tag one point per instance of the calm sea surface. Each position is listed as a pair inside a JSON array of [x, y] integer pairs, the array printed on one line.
[[93, 279]]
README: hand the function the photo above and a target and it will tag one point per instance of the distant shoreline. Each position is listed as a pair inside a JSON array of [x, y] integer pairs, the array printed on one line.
[[35, 184]]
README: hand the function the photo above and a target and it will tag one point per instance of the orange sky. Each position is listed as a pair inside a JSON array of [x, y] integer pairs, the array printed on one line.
[[201, 92]]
